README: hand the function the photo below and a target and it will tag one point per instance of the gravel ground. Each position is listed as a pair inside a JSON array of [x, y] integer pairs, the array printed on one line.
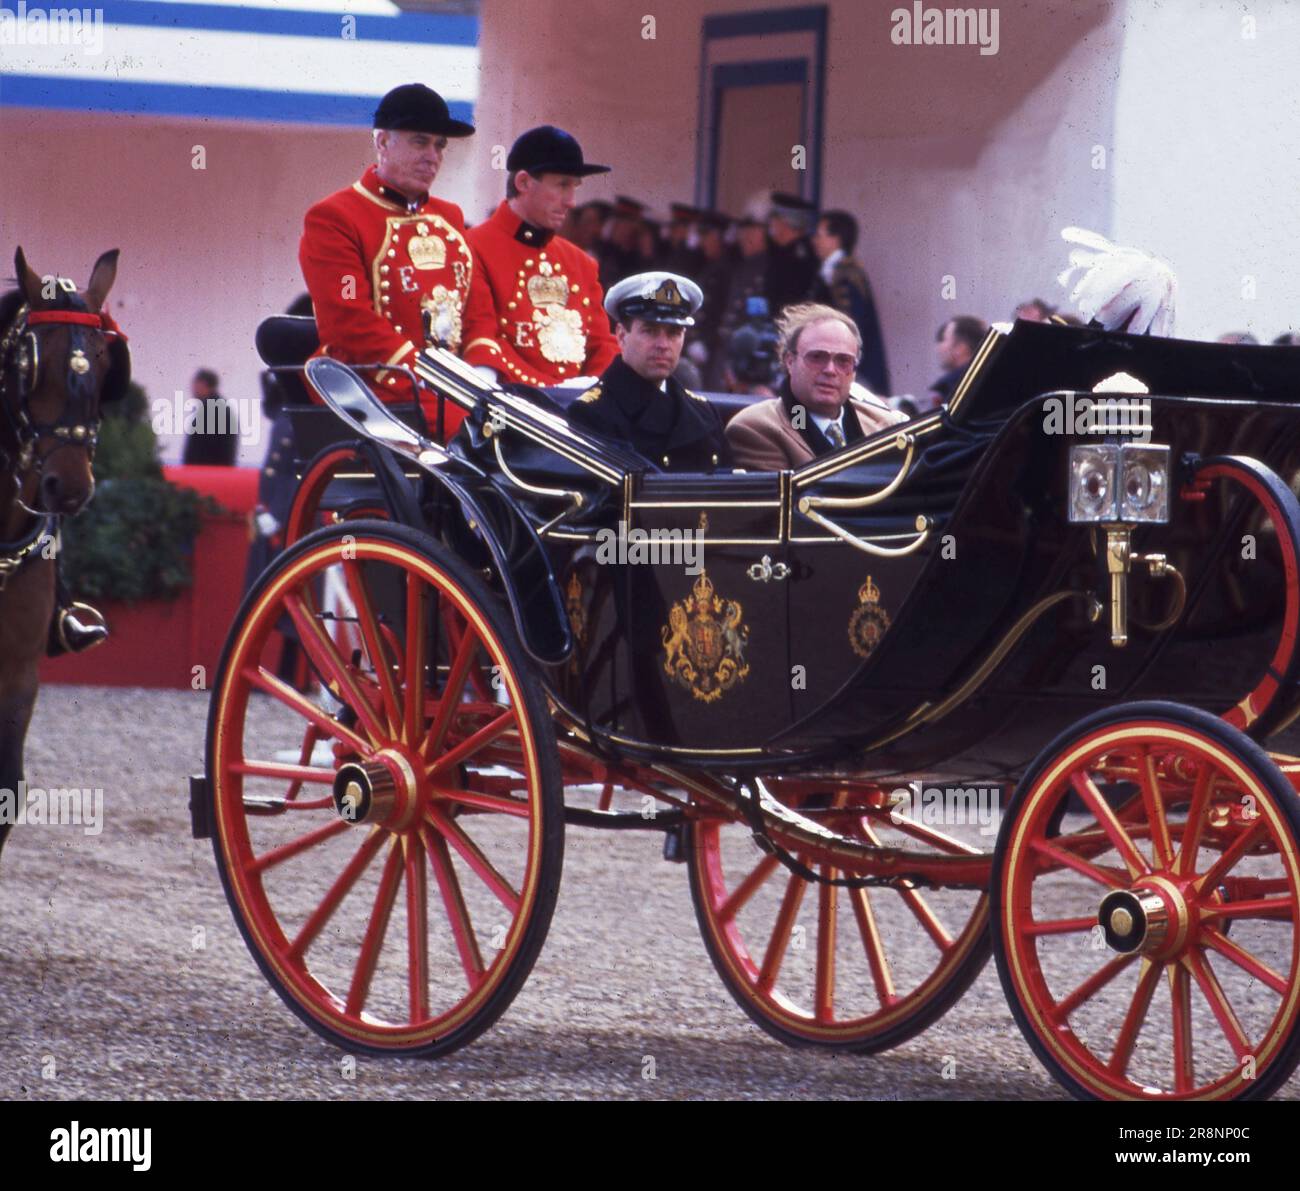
[[125, 975]]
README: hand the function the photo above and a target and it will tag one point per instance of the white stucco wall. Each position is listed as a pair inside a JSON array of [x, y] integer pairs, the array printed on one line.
[[1207, 158]]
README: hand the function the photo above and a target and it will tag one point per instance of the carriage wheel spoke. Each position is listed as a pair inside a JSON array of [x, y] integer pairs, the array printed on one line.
[[264, 680], [1263, 909], [877, 960], [1244, 960], [310, 736], [1230, 855], [473, 856], [747, 888], [417, 609], [1218, 1001], [942, 841], [417, 928], [913, 899], [1112, 878], [927, 917], [376, 929], [260, 864], [1133, 1019], [1162, 849], [1180, 996], [472, 744], [498, 803], [780, 938], [1059, 926], [453, 900], [373, 640], [827, 912], [1185, 861], [1093, 985], [1086, 788], [323, 652], [297, 774], [336, 893], [452, 691]]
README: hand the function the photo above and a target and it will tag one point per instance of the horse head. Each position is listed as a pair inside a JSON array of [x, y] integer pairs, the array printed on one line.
[[61, 358]]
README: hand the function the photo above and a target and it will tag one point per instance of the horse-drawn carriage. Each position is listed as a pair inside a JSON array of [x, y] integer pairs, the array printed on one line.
[[1080, 610]]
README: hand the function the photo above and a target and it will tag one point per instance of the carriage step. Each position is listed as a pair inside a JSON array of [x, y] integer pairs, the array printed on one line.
[[200, 828], [675, 844]]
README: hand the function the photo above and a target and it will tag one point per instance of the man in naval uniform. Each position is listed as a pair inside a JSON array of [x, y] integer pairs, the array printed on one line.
[[384, 259], [547, 300], [637, 401]]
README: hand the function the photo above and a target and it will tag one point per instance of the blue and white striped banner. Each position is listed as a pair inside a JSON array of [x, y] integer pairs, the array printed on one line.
[[308, 61]]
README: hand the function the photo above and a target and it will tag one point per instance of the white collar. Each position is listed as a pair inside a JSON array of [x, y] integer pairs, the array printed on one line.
[[828, 265], [821, 421]]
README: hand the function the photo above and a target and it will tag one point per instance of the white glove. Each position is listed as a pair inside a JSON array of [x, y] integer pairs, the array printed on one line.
[[267, 525], [488, 374], [575, 382], [1118, 286]]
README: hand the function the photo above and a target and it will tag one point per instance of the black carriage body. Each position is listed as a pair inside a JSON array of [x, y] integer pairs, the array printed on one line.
[[788, 646]]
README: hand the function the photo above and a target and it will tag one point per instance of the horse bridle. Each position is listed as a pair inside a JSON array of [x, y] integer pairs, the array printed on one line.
[[20, 359]]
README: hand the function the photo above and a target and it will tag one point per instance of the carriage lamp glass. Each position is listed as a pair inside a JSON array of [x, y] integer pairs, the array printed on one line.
[[1093, 494], [1144, 491], [1122, 483]]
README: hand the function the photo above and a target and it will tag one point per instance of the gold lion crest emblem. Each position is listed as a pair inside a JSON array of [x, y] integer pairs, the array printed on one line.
[[704, 642], [869, 622]]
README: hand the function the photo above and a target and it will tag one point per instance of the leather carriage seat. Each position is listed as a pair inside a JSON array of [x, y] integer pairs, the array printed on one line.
[[285, 342]]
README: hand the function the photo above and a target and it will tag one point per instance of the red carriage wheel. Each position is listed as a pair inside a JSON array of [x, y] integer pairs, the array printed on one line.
[[396, 897], [818, 965], [1111, 911], [328, 465]]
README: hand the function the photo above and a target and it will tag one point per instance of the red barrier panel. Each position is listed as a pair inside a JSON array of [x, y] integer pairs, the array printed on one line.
[[158, 643]]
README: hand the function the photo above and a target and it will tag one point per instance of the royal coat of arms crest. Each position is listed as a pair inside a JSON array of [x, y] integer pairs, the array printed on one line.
[[869, 622], [704, 642]]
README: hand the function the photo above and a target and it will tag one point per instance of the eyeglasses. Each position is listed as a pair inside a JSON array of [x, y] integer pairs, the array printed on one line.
[[817, 360]]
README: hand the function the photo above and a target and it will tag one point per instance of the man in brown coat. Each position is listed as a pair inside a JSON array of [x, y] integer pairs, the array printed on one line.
[[813, 414]]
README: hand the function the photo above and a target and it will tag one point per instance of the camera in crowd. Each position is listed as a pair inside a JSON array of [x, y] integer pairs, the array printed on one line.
[[753, 352]]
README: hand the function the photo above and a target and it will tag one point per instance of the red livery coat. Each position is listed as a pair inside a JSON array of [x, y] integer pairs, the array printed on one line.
[[374, 264], [550, 320]]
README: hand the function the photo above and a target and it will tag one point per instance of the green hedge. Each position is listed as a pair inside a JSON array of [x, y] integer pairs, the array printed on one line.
[[135, 539]]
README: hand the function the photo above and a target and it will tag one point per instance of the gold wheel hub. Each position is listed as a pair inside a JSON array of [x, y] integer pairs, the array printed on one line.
[[1154, 917], [383, 791]]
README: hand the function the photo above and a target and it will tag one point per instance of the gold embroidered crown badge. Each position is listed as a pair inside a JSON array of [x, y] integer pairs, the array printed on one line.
[[869, 621]]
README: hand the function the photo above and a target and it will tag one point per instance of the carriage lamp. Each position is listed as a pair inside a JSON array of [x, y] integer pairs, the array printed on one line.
[[1120, 486], [1126, 483]]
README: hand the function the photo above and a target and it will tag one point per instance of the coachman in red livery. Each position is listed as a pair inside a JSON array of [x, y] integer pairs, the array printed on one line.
[[550, 324], [383, 256]]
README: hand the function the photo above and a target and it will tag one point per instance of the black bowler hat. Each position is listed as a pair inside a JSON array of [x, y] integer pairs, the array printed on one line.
[[413, 107], [550, 150]]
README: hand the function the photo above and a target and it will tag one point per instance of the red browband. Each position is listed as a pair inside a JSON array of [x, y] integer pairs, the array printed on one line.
[[101, 322]]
